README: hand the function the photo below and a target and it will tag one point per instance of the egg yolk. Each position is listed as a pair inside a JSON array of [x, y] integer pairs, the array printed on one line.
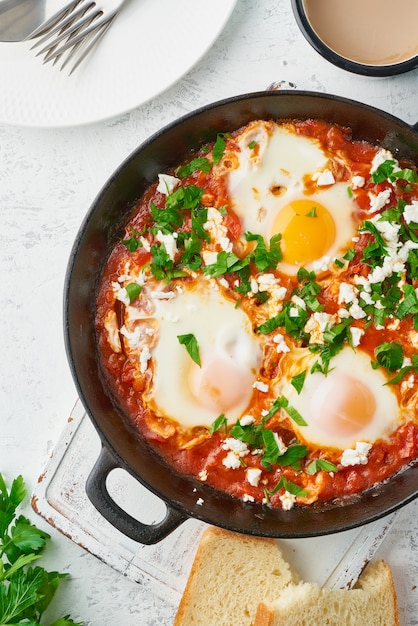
[[307, 229], [219, 384], [342, 405]]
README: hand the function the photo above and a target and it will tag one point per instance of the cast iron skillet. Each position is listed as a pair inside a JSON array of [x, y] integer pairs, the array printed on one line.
[[101, 228]]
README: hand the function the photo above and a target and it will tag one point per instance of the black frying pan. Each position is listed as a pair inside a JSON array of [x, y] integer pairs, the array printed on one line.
[[101, 228]]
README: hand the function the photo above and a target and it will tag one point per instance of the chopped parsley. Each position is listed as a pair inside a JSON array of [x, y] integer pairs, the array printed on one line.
[[265, 259], [189, 341], [219, 147], [220, 422], [316, 465], [199, 163], [133, 290]]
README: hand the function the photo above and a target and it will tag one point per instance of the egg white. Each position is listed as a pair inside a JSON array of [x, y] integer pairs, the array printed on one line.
[[264, 181], [224, 335], [320, 394]]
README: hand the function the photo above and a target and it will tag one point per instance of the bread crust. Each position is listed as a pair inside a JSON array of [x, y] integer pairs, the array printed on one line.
[[371, 602], [235, 570]]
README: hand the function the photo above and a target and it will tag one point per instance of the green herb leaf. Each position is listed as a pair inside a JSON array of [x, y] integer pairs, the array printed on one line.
[[189, 341], [133, 242], [225, 262], [265, 259], [311, 213], [317, 465], [291, 411], [220, 422], [25, 592], [270, 325], [199, 163], [298, 381], [383, 172], [184, 198], [389, 355], [288, 486], [219, 147], [133, 291]]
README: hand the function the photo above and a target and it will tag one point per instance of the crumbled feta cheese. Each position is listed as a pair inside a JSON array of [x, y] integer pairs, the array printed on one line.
[[254, 285], [281, 343], [321, 265], [356, 312], [247, 498], [279, 293], [410, 212], [134, 338], [324, 320], [120, 293], [144, 357], [225, 243], [317, 324], [324, 178], [299, 302], [236, 446], [203, 475], [394, 325], [218, 231], [169, 242], [288, 501], [167, 183], [210, 257], [347, 294], [231, 461], [253, 476], [260, 386], [200, 501], [357, 181], [358, 456], [356, 335], [145, 243], [379, 201], [247, 420], [413, 337], [224, 283], [266, 280], [163, 295], [408, 383], [380, 157], [293, 312], [280, 443]]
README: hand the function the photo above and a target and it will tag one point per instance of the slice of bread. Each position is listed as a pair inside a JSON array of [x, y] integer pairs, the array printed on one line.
[[230, 574], [372, 602]]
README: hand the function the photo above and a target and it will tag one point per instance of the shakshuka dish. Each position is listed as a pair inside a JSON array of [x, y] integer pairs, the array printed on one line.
[[258, 320]]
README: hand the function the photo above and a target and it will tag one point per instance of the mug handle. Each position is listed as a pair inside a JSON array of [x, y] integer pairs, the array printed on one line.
[[99, 496]]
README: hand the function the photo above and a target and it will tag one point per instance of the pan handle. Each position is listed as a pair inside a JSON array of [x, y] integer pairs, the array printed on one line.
[[99, 496]]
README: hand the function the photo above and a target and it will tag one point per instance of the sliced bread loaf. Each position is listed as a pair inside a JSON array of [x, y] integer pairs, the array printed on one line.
[[372, 602], [231, 573]]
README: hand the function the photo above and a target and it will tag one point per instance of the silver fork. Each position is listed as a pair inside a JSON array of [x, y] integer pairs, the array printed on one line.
[[74, 30]]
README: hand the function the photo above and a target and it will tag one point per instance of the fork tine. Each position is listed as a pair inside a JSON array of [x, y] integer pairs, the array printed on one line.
[[93, 42], [67, 22], [58, 16], [74, 31], [67, 35], [97, 25]]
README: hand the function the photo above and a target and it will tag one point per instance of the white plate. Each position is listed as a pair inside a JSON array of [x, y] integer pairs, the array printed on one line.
[[150, 46]]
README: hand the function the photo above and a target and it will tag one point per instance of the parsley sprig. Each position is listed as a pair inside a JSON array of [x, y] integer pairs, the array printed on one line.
[[25, 591]]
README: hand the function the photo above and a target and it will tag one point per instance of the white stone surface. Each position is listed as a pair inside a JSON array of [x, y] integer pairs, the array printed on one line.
[[48, 178]]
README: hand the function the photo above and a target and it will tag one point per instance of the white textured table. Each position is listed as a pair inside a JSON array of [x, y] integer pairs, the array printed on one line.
[[48, 178]]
